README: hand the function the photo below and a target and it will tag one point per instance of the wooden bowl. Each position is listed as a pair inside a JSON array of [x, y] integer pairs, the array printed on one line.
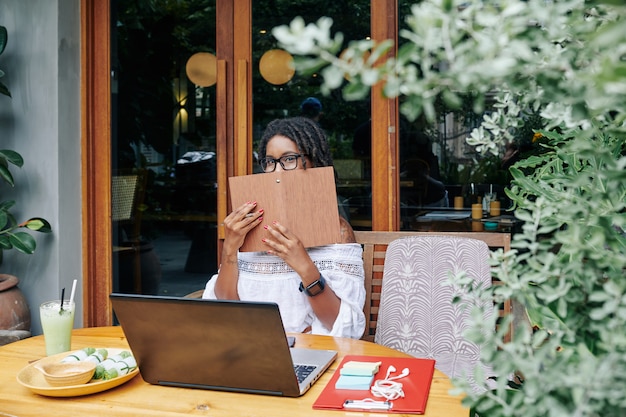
[[66, 374]]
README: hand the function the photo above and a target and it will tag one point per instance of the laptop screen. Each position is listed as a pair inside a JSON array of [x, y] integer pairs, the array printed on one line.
[[212, 344]]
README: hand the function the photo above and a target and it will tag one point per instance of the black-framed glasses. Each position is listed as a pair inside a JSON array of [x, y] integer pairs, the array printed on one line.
[[287, 162]]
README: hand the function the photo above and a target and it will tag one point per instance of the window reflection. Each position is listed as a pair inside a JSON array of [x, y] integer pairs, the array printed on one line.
[[438, 166], [163, 131], [340, 119]]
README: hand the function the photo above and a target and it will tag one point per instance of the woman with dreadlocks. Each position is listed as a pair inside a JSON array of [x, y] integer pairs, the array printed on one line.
[[319, 290]]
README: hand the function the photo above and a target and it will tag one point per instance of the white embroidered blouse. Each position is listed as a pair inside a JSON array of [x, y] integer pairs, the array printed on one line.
[[268, 278]]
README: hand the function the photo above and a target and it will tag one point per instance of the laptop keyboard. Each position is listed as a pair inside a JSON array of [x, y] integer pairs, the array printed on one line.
[[302, 371]]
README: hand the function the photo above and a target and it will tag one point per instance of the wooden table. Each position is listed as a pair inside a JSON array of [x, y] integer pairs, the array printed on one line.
[[138, 398]]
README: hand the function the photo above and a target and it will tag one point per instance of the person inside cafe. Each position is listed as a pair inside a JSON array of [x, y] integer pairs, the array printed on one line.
[[420, 165], [318, 290], [311, 107]]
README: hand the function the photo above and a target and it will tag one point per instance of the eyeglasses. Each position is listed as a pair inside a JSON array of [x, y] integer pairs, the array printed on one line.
[[287, 162]]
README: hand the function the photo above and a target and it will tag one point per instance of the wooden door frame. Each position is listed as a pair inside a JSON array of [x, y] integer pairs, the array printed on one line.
[[385, 129], [96, 161], [234, 135]]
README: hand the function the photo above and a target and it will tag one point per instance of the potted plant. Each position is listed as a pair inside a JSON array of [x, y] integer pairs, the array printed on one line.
[[14, 311], [563, 60]]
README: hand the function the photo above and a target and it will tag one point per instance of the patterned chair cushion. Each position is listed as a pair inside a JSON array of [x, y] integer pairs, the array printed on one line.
[[417, 315]]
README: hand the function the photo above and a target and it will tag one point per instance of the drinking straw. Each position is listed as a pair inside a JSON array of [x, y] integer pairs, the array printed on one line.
[[73, 291], [62, 297]]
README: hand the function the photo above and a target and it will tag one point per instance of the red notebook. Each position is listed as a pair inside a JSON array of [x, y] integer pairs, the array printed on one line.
[[416, 386]]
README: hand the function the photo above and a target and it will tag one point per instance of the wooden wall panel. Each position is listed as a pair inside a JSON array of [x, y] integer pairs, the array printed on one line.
[[221, 146], [242, 56], [224, 53], [96, 162], [385, 159], [242, 138]]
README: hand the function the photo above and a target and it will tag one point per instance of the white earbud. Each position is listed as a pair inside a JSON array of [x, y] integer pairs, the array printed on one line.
[[390, 370], [405, 372]]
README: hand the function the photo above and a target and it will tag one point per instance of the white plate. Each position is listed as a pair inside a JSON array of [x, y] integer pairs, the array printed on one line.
[[33, 379]]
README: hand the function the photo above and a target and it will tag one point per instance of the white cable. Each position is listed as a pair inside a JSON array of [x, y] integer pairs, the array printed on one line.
[[387, 388]]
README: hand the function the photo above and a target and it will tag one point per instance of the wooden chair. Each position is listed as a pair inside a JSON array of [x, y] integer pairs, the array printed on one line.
[[374, 248], [417, 313]]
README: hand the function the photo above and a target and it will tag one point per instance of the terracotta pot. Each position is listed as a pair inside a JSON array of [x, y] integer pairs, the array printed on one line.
[[14, 311]]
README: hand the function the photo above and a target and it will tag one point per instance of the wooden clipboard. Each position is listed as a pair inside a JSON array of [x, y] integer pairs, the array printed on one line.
[[303, 200]]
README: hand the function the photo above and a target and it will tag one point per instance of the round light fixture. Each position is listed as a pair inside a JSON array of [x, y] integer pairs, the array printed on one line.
[[276, 66], [201, 69]]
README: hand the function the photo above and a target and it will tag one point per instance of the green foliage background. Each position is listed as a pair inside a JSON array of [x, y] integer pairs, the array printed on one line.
[[558, 67], [11, 236]]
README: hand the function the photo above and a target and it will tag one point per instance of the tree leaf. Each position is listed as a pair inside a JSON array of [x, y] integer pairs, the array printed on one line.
[[4, 90], [38, 224], [23, 242], [6, 174], [12, 157], [4, 37], [5, 242]]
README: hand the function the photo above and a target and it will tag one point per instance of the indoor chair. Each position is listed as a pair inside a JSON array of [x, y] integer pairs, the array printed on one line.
[[127, 193]]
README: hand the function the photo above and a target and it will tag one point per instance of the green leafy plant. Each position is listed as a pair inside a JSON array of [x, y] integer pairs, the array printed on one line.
[[564, 63], [3, 43], [11, 236]]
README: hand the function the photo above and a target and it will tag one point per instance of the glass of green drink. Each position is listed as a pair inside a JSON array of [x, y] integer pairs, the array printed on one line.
[[57, 324]]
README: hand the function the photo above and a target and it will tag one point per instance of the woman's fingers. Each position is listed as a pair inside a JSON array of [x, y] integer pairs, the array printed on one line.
[[280, 234], [282, 242], [279, 230], [240, 221], [241, 211], [243, 215]]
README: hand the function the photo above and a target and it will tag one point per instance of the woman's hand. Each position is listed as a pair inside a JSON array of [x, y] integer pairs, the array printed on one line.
[[289, 248], [236, 226], [238, 223]]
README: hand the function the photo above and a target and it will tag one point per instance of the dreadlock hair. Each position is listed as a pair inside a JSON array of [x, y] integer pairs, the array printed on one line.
[[308, 136]]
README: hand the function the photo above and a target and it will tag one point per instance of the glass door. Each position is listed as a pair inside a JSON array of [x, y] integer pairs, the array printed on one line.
[[278, 93], [441, 176], [163, 145]]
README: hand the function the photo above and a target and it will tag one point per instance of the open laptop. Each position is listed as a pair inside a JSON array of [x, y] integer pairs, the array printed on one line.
[[216, 344]]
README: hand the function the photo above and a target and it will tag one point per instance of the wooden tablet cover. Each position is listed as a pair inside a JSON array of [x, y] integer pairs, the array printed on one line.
[[303, 200]]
